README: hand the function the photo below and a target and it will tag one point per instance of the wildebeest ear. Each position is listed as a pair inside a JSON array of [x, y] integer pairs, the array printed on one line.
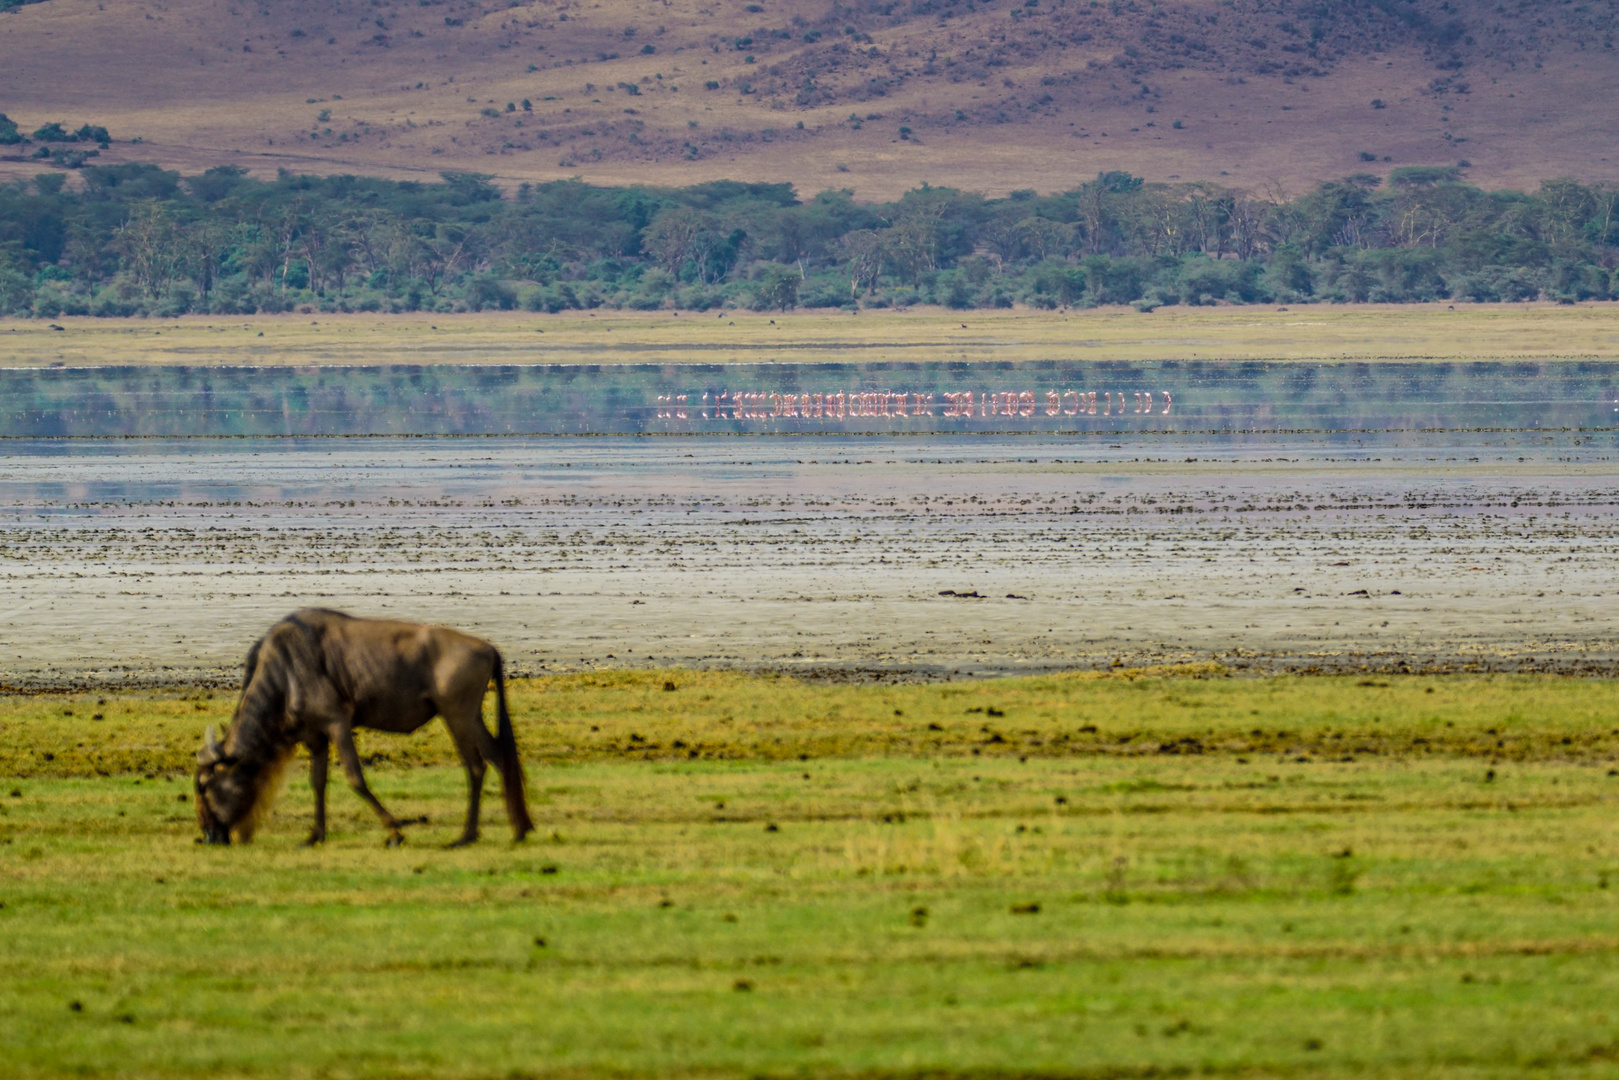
[[211, 751]]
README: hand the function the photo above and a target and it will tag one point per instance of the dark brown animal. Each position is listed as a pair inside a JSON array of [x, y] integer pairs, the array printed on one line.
[[315, 677]]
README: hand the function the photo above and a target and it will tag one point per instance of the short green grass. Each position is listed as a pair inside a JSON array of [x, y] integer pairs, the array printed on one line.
[[726, 715], [1249, 877]]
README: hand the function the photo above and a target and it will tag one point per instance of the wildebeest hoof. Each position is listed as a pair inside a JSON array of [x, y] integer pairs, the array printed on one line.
[[395, 840], [315, 840], [463, 842]]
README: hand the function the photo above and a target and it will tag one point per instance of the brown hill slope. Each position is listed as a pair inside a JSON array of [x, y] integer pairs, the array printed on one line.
[[877, 96]]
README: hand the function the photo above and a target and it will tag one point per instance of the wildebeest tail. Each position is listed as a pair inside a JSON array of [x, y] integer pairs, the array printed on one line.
[[511, 766]]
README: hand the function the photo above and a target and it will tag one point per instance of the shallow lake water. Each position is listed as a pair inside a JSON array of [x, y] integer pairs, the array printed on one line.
[[942, 397], [145, 561]]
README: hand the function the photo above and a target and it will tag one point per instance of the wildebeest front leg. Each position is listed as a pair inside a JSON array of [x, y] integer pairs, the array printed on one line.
[[342, 736], [319, 754]]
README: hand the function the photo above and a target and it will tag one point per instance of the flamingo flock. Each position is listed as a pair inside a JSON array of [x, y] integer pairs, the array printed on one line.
[[857, 404]]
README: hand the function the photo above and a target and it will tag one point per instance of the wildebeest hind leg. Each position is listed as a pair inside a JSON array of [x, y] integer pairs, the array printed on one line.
[[474, 753], [319, 752], [342, 736]]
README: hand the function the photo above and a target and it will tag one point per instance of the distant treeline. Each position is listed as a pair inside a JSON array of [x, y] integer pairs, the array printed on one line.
[[137, 240]]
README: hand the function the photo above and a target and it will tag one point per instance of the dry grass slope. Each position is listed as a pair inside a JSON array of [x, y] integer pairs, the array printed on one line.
[[876, 96]]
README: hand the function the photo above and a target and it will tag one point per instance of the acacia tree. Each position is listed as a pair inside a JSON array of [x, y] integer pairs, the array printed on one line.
[[864, 251], [440, 255], [911, 247], [1566, 206], [714, 253], [256, 251], [1103, 209], [777, 287], [1426, 216], [672, 237], [1159, 222], [1208, 217], [319, 237], [147, 245], [1043, 238], [203, 249], [286, 234], [1605, 214], [1249, 217], [16, 283], [368, 231], [1004, 236]]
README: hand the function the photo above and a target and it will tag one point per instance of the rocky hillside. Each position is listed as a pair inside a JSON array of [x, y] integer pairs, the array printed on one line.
[[873, 95]]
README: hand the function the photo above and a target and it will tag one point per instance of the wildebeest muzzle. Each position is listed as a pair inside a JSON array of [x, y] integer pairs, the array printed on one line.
[[212, 754], [214, 833]]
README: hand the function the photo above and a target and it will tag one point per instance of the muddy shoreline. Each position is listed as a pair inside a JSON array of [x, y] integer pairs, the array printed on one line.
[[150, 564]]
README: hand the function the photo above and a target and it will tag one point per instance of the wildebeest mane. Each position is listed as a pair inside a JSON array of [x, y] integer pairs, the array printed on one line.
[[251, 663], [259, 738]]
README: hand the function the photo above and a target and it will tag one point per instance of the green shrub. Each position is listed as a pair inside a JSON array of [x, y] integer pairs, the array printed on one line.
[[1053, 282], [825, 293], [777, 287], [1203, 280], [485, 293], [16, 291]]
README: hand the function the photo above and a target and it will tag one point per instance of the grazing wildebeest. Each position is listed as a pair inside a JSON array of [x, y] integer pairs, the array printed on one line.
[[315, 677]]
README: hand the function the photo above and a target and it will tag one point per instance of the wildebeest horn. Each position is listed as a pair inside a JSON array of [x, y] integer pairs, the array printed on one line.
[[211, 750]]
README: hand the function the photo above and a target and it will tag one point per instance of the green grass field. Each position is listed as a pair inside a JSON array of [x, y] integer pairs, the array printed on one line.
[[1142, 874]]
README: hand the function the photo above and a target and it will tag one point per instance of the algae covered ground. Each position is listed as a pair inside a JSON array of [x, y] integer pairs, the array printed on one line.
[[1139, 873]]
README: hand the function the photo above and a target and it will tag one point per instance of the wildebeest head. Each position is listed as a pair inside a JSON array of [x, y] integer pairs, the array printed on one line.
[[235, 787], [224, 795]]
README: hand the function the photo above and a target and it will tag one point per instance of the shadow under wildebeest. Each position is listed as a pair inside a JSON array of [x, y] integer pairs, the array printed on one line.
[[315, 677]]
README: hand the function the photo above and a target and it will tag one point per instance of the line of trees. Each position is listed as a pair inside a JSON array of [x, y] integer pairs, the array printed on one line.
[[138, 240]]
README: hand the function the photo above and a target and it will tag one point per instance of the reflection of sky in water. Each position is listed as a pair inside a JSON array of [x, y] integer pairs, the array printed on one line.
[[758, 398]]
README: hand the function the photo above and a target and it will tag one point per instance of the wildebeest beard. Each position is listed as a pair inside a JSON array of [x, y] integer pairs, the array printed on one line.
[[234, 794], [237, 781]]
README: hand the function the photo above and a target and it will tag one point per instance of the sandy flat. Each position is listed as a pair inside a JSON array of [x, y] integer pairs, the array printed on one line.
[[1311, 334], [155, 562]]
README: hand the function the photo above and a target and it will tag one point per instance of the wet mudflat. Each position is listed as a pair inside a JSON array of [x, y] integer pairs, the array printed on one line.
[[149, 561]]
